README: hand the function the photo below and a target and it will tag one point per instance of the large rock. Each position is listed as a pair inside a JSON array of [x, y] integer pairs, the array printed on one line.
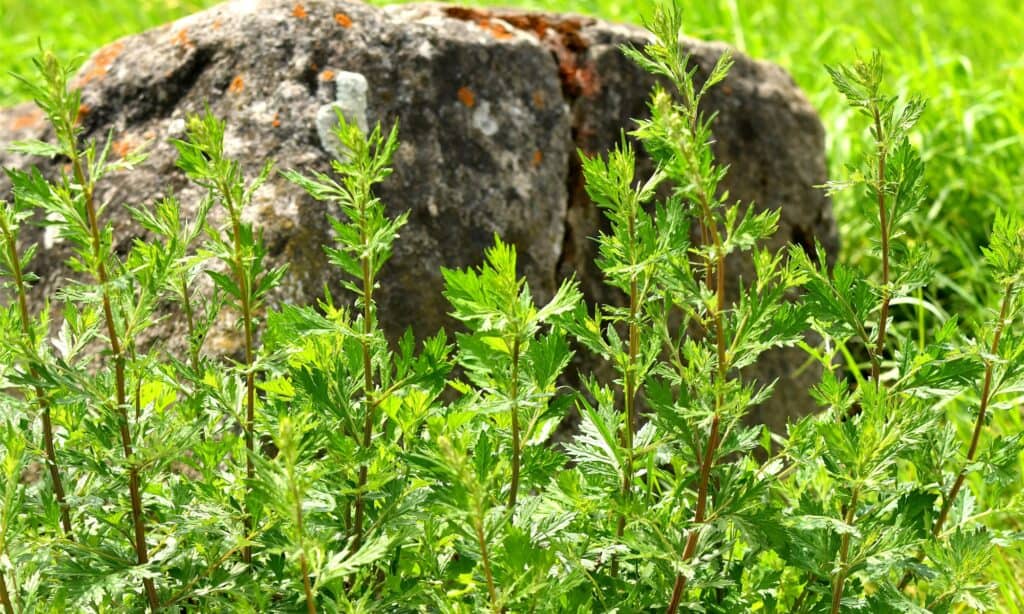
[[492, 106]]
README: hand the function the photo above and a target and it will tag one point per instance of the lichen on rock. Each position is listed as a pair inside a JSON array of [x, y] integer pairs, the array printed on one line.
[[350, 103]]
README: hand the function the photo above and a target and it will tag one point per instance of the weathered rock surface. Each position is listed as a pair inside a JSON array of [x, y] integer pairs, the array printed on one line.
[[492, 106]]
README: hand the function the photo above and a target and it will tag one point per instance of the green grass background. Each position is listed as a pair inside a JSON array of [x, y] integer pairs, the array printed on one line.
[[966, 57]]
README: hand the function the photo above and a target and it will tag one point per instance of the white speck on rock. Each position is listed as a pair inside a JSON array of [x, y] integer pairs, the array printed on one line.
[[234, 146], [258, 108], [176, 126], [483, 120], [425, 50], [51, 232], [350, 101]]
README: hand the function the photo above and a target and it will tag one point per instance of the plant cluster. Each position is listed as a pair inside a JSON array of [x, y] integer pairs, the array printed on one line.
[[326, 468]]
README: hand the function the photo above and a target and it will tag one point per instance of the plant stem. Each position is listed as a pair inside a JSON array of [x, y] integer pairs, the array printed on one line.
[[875, 354], [193, 347], [303, 563], [5, 598], [206, 573], [802, 597], [310, 602], [630, 390], [514, 486], [844, 552], [478, 524], [138, 520], [979, 424], [44, 405], [708, 461], [883, 219], [245, 299], [367, 379]]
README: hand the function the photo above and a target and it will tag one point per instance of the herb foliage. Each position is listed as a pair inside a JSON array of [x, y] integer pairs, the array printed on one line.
[[328, 468]]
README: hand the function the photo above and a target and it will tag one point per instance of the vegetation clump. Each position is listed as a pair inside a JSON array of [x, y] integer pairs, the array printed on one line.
[[329, 469]]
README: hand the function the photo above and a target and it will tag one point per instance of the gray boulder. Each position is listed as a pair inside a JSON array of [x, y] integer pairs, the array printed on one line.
[[492, 106]]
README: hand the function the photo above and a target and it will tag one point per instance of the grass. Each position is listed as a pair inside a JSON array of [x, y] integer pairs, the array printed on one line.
[[965, 57]]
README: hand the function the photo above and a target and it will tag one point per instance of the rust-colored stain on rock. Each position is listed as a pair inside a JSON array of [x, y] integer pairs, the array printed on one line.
[[538, 99], [122, 147], [538, 157], [561, 35], [180, 38], [217, 23], [237, 85], [101, 62], [33, 118], [497, 30], [299, 11], [83, 110], [327, 75], [467, 97], [343, 20], [580, 80]]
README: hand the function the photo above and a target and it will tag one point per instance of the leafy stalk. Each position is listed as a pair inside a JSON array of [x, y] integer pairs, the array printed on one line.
[[368, 380], [861, 84], [74, 201], [692, 166], [883, 223], [630, 370], [15, 264], [102, 279], [986, 398], [289, 444], [502, 351], [1006, 256], [629, 259], [364, 246], [513, 489], [240, 249], [12, 465], [979, 423], [478, 526], [245, 300]]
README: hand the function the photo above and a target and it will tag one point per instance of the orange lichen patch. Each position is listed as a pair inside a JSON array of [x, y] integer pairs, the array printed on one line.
[[237, 85], [101, 62], [563, 36], [538, 157], [467, 97], [180, 38], [299, 11], [538, 99], [123, 147], [577, 80], [32, 118], [497, 30], [83, 110], [327, 75], [217, 23], [343, 20], [276, 122]]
